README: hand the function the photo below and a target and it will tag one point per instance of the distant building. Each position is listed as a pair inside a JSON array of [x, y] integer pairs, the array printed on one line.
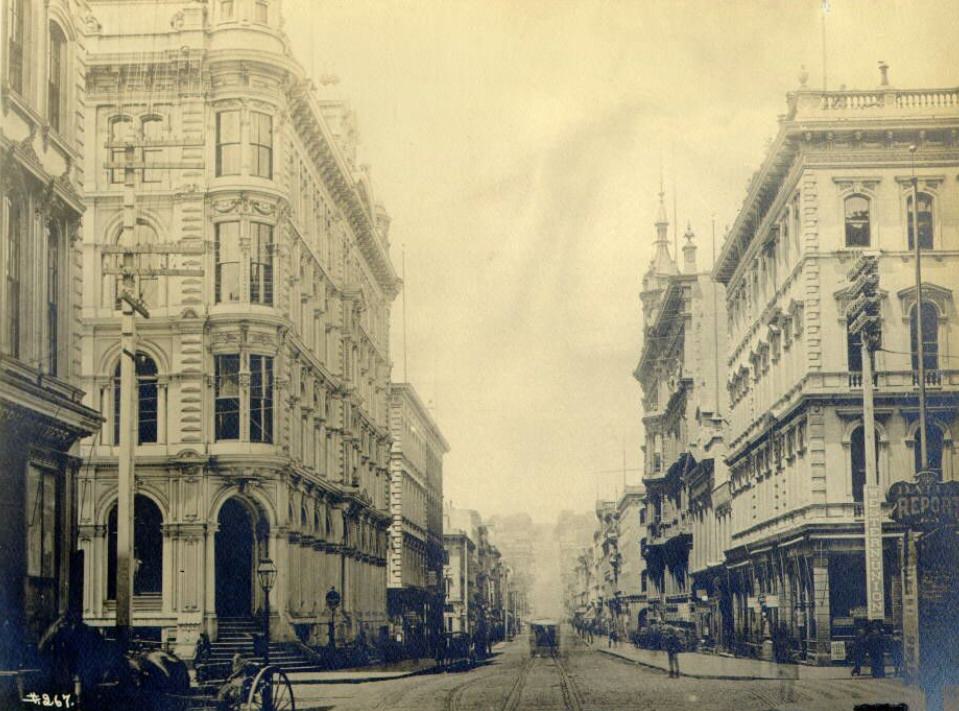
[[41, 411], [632, 585], [462, 569], [416, 554]]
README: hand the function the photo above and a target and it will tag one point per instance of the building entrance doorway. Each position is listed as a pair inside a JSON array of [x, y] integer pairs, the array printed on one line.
[[235, 546]]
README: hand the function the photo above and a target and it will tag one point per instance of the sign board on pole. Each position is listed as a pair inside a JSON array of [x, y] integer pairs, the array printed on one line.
[[875, 594], [926, 502]]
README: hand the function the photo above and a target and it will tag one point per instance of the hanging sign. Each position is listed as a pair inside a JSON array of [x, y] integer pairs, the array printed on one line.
[[925, 502]]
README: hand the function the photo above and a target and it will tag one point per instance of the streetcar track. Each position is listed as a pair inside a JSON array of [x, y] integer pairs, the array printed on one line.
[[516, 692]]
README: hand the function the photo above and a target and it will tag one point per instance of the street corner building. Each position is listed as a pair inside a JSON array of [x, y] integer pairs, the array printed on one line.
[[416, 554], [42, 414], [262, 385], [836, 183]]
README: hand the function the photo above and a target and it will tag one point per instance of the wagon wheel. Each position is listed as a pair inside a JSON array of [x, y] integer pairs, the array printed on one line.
[[270, 684]]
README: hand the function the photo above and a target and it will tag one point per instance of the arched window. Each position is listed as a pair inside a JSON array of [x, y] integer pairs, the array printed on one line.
[[147, 548], [147, 400], [56, 76], [857, 221], [148, 286], [930, 337], [152, 131], [933, 448], [857, 446], [925, 221]]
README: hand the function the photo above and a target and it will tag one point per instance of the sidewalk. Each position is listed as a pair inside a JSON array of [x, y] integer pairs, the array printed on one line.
[[358, 675], [714, 666], [379, 672]]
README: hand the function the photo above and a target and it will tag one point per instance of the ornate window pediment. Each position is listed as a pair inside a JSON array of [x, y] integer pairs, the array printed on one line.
[[937, 295]]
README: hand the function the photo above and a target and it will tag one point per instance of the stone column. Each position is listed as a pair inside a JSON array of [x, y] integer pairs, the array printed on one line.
[[820, 601], [209, 578]]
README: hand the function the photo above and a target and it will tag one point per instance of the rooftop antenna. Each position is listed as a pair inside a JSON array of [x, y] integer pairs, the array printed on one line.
[[406, 290], [825, 11]]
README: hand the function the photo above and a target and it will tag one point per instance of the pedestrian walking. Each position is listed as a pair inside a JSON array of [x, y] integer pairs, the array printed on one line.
[[858, 652], [673, 645]]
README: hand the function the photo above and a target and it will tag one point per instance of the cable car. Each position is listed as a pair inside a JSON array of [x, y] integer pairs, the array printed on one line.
[[543, 638]]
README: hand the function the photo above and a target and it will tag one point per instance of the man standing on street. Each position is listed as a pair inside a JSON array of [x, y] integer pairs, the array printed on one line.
[[672, 645]]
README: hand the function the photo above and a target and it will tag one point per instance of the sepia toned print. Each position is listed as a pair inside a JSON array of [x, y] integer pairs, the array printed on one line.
[[479, 355]]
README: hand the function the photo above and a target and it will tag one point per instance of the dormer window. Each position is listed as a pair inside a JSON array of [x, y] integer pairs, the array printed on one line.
[[857, 221]]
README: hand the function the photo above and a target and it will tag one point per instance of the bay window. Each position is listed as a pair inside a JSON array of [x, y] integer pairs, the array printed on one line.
[[234, 399], [261, 398], [227, 256], [227, 396], [261, 264], [228, 143], [261, 145]]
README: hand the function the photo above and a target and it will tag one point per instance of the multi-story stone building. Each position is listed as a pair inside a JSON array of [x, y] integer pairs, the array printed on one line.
[[679, 372], [263, 384], [836, 182], [633, 585], [41, 411], [574, 531], [461, 572], [416, 555]]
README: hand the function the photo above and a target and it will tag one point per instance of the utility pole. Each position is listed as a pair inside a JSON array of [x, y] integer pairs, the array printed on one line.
[[132, 304], [920, 345], [866, 320]]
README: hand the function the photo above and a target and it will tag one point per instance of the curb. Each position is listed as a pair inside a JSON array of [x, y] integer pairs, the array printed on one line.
[[365, 679]]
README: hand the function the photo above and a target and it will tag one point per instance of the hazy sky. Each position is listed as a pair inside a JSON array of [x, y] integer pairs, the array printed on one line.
[[517, 145]]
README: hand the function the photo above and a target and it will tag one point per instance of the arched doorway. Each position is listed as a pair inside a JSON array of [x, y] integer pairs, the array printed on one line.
[[235, 547], [147, 548]]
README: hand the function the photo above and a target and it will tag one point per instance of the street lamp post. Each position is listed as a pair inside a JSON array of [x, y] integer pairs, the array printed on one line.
[[266, 573], [332, 601]]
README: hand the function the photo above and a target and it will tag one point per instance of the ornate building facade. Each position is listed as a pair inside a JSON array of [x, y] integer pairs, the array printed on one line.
[[836, 182], [416, 555], [42, 415], [263, 385], [683, 419]]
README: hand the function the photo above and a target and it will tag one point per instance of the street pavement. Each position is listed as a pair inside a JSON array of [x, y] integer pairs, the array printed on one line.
[[586, 679]]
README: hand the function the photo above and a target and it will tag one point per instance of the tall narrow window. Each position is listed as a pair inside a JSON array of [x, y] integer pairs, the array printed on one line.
[[933, 448], [261, 144], [147, 400], [261, 398], [261, 11], [41, 517], [261, 266], [226, 9], [152, 130], [857, 221], [227, 255], [930, 337], [16, 34], [924, 221], [228, 143], [147, 548], [56, 71], [227, 395], [53, 296], [15, 224], [857, 446], [853, 350], [121, 132]]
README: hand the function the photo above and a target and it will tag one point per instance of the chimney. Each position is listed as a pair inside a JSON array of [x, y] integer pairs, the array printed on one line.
[[689, 251]]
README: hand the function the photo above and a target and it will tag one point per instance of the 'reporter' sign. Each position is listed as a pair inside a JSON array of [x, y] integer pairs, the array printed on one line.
[[925, 502]]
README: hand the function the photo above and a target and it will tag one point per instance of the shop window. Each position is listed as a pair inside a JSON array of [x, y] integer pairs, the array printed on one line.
[[227, 256], [56, 75], [857, 221], [147, 400], [228, 143], [925, 221], [41, 516]]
